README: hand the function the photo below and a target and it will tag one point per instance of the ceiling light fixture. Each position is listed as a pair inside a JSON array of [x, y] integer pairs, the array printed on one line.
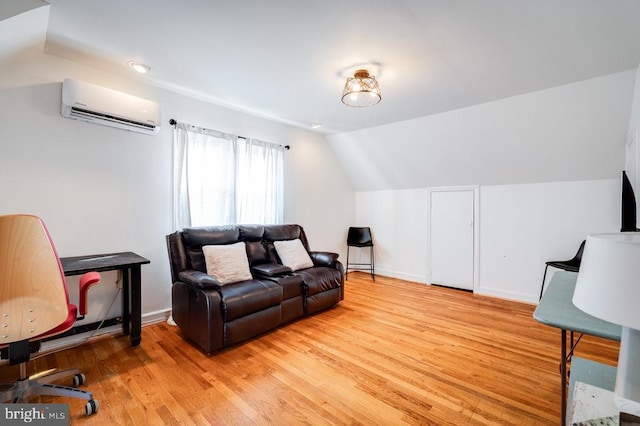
[[316, 125], [139, 67], [361, 90]]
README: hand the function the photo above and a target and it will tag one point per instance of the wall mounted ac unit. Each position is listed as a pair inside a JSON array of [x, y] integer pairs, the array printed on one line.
[[95, 104]]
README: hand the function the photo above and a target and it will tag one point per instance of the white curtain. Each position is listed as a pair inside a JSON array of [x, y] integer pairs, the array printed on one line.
[[259, 182], [221, 179]]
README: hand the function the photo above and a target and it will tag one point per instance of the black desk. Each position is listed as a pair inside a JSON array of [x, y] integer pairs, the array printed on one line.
[[129, 264]]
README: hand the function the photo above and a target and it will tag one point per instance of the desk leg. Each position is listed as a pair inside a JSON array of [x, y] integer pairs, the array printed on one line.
[[136, 305], [563, 374], [126, 309]]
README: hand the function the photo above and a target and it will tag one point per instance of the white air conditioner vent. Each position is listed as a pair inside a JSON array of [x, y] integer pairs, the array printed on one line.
[[95, 104]]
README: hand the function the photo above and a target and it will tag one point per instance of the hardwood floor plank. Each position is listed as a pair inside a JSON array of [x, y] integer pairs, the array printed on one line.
[[393, 352]]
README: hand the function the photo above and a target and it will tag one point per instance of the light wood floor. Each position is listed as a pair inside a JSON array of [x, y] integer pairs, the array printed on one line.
[[391, 353]]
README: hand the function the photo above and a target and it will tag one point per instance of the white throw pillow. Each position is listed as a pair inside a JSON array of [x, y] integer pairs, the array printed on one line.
[[293, 254], [227, 263]]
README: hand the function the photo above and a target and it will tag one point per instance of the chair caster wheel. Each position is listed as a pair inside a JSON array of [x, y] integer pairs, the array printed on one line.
[[79, 379], [91, 407]]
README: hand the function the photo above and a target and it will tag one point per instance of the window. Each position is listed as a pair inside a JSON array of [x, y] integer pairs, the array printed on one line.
[[222, 179]]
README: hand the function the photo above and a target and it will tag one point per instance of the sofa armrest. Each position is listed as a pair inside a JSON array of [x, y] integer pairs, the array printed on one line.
[[324, 258], [198, 279], [270, 270]]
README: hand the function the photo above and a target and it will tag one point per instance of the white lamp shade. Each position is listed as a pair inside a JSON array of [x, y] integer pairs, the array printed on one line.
[[608, 284]]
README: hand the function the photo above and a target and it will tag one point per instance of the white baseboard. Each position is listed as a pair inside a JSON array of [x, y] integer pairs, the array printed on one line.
[[420, 279], [78, 339], [156, 316], [492, 292], [509, 295]]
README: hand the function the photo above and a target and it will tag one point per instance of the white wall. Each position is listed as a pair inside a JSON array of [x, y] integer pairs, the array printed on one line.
[[318, 195], [102, 189], [398, 222], [547, 163], [634, 123], [521, 227], [571, 132], [632, 154]]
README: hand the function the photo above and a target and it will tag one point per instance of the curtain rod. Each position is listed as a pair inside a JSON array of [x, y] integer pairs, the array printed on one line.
[[174, 123]]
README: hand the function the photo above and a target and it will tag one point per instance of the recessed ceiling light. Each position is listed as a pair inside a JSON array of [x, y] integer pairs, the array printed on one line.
[[139, 67], [316, 125]]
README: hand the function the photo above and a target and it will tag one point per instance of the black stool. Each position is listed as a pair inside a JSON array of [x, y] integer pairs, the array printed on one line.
[[360, 237]]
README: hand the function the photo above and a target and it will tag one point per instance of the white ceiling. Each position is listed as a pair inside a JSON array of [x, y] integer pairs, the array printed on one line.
[[288, 59]]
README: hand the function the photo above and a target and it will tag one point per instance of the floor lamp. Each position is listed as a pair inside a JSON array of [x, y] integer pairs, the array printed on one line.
[[608, 287]]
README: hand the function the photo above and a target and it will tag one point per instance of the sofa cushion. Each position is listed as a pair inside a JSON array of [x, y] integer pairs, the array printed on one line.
[[291, 285], [319, 279], [282, 232], [293, 254], [195, 238], [227, 263], [247, 297], [257, 253], [251, 232], [204, 235]]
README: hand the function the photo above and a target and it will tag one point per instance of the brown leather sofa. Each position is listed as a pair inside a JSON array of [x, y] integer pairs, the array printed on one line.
[[215, 316]]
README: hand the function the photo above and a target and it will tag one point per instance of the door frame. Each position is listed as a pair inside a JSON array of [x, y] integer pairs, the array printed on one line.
[[475, 189]]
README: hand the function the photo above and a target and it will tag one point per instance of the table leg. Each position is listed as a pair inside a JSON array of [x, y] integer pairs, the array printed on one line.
[[136, 305], [563, 374]]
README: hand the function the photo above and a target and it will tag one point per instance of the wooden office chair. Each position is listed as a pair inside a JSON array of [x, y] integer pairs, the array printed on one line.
[[572, 265], [360, 237], [34, 304]]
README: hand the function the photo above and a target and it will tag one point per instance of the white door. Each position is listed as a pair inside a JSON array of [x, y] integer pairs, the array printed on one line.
[[452, 233]]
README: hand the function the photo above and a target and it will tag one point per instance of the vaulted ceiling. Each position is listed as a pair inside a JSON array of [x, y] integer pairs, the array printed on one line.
[[288, 59]]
